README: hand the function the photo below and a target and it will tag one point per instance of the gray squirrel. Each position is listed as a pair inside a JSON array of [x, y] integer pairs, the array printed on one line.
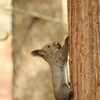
[[57, 56]]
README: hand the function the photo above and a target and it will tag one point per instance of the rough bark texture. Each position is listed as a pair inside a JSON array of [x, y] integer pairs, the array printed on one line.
[[32, 80], [84, 31]]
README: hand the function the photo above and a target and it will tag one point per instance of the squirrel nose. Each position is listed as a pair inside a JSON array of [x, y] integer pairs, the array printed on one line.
[[39, 53], [35, 52]]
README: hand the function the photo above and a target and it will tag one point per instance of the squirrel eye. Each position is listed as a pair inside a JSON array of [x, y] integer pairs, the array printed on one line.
[[48, 46]]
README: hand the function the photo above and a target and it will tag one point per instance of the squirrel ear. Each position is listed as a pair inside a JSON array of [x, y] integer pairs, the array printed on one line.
[[67, 39], [38, 53]]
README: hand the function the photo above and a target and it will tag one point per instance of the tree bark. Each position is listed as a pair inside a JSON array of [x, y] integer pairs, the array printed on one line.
[[84, 31]]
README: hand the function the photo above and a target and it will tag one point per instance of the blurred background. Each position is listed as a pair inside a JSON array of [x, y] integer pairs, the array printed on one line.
[[26, 25]]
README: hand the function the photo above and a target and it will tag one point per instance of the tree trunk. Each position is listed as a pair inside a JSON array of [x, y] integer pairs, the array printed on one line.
[[84, 31]]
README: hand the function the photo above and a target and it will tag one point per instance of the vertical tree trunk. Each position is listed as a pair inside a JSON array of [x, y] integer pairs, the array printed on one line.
[[84, 31]]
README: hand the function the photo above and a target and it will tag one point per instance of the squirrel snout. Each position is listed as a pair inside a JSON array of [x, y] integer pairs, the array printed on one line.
[[35, 52], [39, 52]]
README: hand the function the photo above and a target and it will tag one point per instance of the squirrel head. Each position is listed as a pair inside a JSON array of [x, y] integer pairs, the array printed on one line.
[[53, 52], [48, 51]]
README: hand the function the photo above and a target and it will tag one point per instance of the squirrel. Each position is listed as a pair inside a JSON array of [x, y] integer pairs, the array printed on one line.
[[57, 56]]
